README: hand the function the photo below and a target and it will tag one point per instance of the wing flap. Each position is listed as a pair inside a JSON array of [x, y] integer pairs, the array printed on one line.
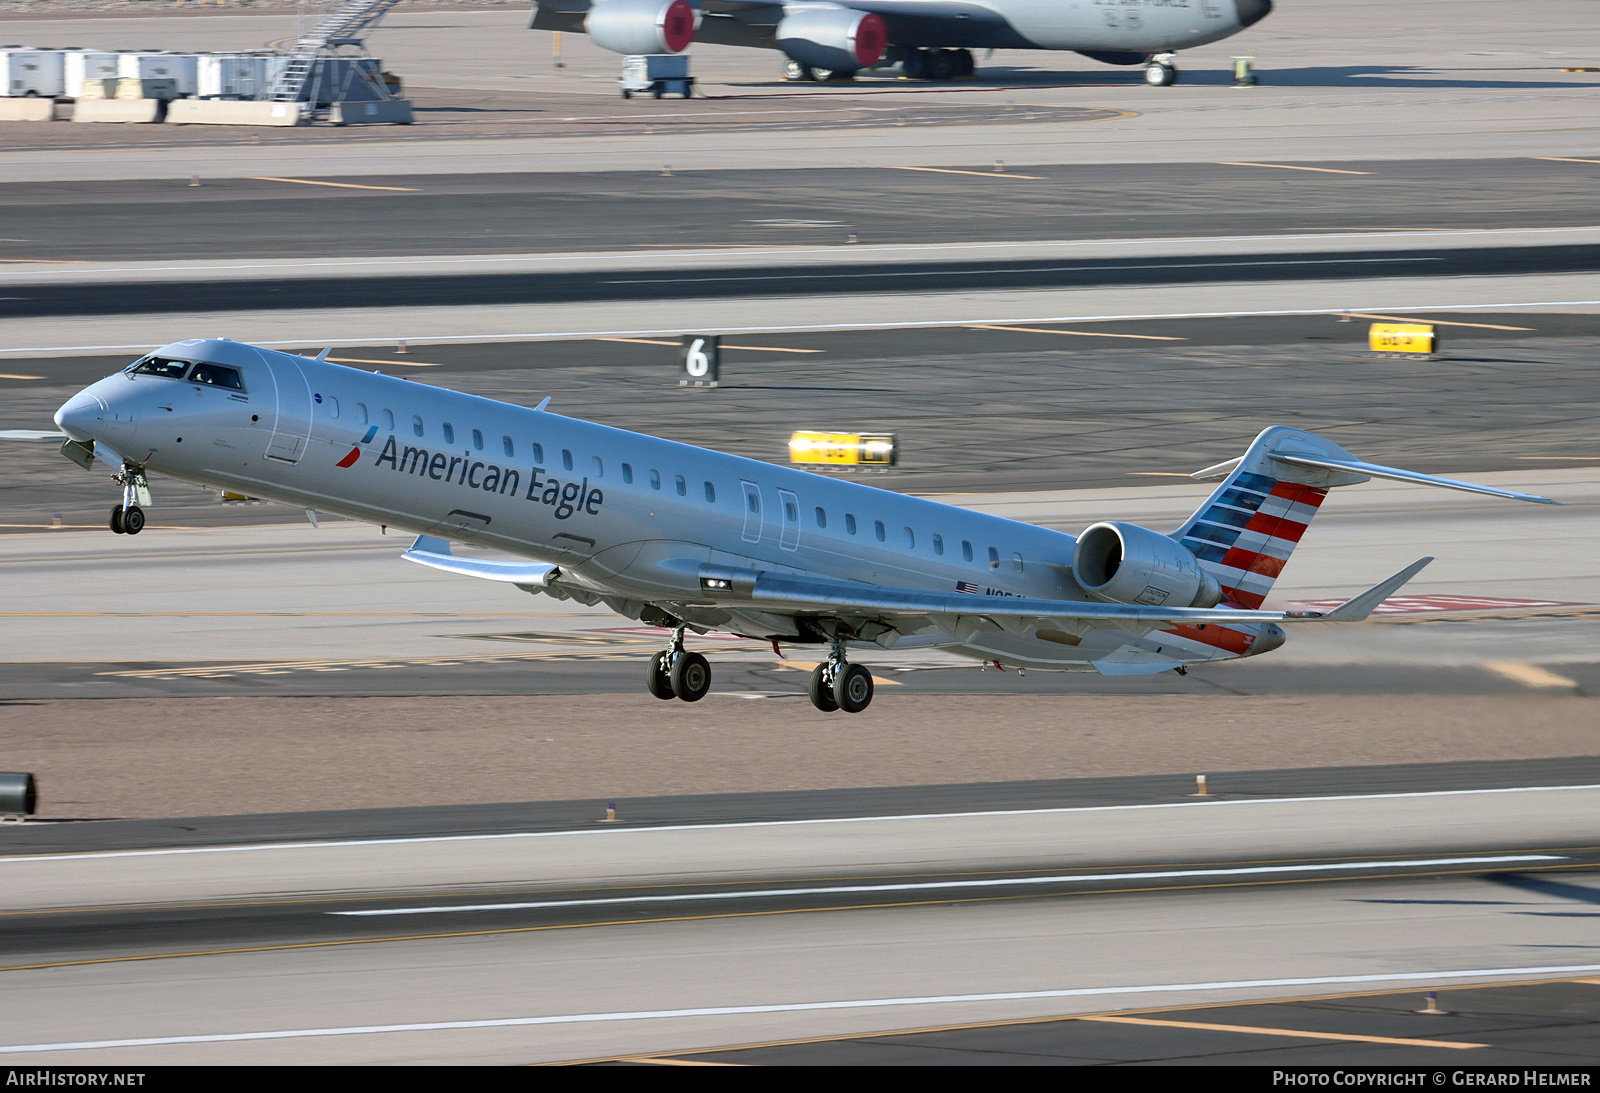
[[435, 553]]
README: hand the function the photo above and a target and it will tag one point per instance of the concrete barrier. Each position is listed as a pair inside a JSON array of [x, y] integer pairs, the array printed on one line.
[[226, 112], [394, 112], [27, 109], [124, 110]]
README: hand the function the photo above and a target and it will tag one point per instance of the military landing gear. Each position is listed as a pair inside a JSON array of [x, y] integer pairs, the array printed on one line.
[[128, 518], [939, 64], [1162, 71], [795, 72], [676, 673], [838, 685]]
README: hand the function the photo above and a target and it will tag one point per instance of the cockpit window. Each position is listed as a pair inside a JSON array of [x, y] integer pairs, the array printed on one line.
[[218, 376], [161, 366]]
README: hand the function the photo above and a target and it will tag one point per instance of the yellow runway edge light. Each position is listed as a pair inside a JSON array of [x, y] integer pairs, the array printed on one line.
[[1402, 338], [843, 449]]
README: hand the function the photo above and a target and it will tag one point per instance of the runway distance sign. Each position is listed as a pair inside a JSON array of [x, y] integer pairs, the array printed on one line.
[[701, 362], [1402, 338]]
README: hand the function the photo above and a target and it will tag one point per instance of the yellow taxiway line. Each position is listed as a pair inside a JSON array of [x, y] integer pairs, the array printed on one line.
[[406, 364], [1081, 333], [1430, 322], [1530, 675], [1302, 1034], [1292, 167], [341, 185], [980, 174]]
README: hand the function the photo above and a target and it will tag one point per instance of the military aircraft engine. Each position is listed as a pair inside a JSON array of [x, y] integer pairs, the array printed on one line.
[[1125, 563], [641, 26], [834, 39]]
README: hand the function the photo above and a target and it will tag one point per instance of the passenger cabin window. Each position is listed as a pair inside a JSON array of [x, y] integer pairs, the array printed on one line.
[[627, 473], [361, 412], [508, 447], [161, 366], [333, 403], [878, 530], [966, 551], [911, 539], [655, 479], [1016, 562], [449, 433], [538, 454], [938, 544], [822, 517], [599, 468], [566, 458], [477, 439], [850, 523], [994, 558], [791, 512], [711, 493], [220, 375], [388, 420], [683, 487], [416, 424]]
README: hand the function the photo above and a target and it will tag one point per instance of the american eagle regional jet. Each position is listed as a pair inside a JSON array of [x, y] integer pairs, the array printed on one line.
[[693, 540]]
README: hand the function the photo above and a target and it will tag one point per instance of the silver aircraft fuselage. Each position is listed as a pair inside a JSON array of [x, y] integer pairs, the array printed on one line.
[[629, 518]]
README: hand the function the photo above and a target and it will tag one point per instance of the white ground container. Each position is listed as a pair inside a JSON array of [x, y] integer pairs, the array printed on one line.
[[236, 75], [32, 72], [182, 67], [87, 64]]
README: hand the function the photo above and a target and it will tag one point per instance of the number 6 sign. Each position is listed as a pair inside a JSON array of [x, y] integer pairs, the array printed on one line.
[[702, 360]]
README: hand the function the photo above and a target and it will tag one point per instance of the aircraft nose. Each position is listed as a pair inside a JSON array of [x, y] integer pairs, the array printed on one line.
[[81, 417], [1252, 12]]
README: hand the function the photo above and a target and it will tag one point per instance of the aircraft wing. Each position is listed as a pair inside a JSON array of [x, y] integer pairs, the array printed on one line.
[[962, 614], [31, 434]]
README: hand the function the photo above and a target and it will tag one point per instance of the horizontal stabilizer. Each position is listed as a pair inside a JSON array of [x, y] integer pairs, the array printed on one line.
[[1357, 608], [1374, 470], [435, 552]]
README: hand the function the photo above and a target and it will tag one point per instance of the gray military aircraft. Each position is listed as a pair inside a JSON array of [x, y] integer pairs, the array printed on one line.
[[693, 540], [924, 39]]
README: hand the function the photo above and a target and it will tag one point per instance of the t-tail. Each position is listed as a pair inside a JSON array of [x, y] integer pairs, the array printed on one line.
[[1246, 530]]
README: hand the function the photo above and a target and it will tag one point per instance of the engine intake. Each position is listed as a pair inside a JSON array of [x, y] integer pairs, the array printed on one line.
[[1125, 563], [837, 39], [641, 26]]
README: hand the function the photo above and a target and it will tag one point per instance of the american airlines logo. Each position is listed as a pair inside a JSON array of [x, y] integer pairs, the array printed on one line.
[[566, 498]]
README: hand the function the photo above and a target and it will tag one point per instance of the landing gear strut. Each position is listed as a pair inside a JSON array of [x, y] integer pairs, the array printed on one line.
[[677, 673], [128, 518], [838, 685]]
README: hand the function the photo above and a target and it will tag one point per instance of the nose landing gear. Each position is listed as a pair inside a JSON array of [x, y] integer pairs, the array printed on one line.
[[128, 518], [1162, 71], [677, 673], [838, 685]]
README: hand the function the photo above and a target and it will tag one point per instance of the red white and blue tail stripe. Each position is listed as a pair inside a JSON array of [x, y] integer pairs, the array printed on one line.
[[1246, 531]]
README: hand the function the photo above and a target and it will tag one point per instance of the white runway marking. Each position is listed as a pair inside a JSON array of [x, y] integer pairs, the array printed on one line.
[[24, 859], [1557, 971], [858, 889]]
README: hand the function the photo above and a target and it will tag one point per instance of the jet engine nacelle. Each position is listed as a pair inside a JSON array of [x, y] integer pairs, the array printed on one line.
[[641, 26], [1125, 563], [837, 39]]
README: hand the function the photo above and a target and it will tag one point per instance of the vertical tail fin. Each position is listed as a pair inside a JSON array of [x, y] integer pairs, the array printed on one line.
[[1246, 530]]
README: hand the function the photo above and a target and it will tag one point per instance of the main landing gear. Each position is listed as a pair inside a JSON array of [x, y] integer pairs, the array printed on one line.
[[1162, 71], [837, 685], [128, 518], [938, 64], [678, 673]]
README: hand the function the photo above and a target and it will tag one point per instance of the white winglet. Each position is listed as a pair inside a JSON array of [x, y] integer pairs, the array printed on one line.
[[1359, 607]]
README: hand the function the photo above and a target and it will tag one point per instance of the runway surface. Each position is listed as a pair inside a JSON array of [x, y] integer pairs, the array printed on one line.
[[461, 954]]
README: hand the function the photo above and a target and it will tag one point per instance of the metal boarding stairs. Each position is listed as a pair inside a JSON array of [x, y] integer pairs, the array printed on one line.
[[338, 24]]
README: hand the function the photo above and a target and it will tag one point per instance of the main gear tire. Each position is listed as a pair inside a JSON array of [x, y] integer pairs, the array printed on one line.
[[821, 690], [659, 679], [852, 688], [691, 677]]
